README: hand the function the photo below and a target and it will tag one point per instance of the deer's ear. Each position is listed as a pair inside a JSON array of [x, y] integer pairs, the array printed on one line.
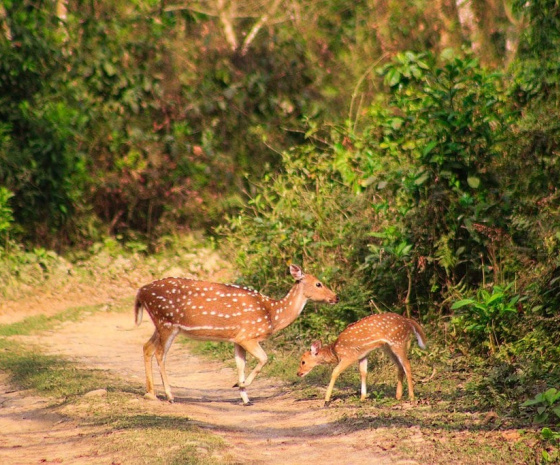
[[296, 272], [315, 347]]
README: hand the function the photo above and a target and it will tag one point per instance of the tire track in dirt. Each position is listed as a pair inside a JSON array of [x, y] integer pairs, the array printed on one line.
[[277, 429]]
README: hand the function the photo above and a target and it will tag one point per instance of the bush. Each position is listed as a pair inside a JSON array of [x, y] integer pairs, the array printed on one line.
[[305, 216]]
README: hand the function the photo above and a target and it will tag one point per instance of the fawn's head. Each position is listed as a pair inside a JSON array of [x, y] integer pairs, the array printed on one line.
[[310, 359], [313, 289]]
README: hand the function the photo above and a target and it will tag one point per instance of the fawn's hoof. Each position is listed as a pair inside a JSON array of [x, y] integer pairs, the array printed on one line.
[[150, 396]]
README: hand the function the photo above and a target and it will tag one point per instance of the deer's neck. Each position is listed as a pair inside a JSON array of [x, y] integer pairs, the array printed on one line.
[[327, 354], [284, 311]]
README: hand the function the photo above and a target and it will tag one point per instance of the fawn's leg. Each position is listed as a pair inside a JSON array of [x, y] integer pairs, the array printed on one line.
[[166, 338], [342, 365], [401, 353], [363, 376], [389, 350]]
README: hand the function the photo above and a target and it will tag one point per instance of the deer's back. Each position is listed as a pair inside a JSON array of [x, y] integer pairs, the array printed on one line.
[[371, 332], [205, 310]]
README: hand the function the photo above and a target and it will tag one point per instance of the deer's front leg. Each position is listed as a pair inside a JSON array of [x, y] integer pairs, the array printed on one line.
[[342, 365], [240, 354], [363, 376], [254, 348]]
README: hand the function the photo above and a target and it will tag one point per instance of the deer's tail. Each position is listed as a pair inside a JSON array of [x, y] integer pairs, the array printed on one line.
[[138, 309], [419, 333]]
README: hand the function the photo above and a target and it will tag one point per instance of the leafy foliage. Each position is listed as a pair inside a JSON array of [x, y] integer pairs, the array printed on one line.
[[302, 217], [489, 317], [6, 214], [423, 176], [41, 163], [546, 403]]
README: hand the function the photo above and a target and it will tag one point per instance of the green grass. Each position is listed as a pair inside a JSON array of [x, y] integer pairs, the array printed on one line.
[[49, 375], [43, 323]]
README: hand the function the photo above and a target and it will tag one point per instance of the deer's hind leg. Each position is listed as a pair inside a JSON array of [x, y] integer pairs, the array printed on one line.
[[158, 345], [401, 354], [149, 351], [398, 353], [166, 337]]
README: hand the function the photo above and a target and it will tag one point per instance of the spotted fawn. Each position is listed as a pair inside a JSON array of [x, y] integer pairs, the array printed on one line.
[[389, 331], [220, 312]]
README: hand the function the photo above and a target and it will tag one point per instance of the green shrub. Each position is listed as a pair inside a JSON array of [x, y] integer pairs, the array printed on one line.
[[305, 216], [6, 215], [488, 318], [547, 406]]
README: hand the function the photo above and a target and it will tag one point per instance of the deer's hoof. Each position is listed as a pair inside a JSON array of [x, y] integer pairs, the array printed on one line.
[[150, 396]]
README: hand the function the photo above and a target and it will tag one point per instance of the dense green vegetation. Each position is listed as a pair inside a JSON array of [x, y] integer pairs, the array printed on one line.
[[411, 161]]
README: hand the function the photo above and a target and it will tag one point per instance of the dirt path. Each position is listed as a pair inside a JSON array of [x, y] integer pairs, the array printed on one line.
[[277, 429]]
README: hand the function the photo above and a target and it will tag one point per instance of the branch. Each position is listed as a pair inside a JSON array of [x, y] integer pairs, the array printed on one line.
[[225, 19], [4, 22], [257, 27]]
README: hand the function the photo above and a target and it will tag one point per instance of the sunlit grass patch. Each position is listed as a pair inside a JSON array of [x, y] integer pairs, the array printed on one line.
[[140, 433], [167, 446], [42, 323], [145, 437], [50, 375]]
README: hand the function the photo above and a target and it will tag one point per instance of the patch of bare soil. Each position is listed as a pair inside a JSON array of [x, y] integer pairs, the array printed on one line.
[[31, 433], [277, 429]]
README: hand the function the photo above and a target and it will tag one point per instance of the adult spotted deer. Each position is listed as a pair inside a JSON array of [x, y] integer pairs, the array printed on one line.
[[389, 331], [220, 312]]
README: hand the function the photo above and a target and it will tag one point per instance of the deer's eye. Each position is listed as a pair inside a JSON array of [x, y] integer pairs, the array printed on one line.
[[318, 285], [303, 362]]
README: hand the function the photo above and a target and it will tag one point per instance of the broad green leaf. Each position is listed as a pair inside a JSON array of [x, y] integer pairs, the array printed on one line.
[[473, 182], [494, 297], [462, 303], [393, 77], [429, 148], [530, 402], [422, 178]]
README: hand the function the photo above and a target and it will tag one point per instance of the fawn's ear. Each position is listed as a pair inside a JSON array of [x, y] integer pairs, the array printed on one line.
[[315, 347], [296, 272]]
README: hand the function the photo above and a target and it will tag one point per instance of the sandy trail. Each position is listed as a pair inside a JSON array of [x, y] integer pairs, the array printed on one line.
[[276, 429]]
